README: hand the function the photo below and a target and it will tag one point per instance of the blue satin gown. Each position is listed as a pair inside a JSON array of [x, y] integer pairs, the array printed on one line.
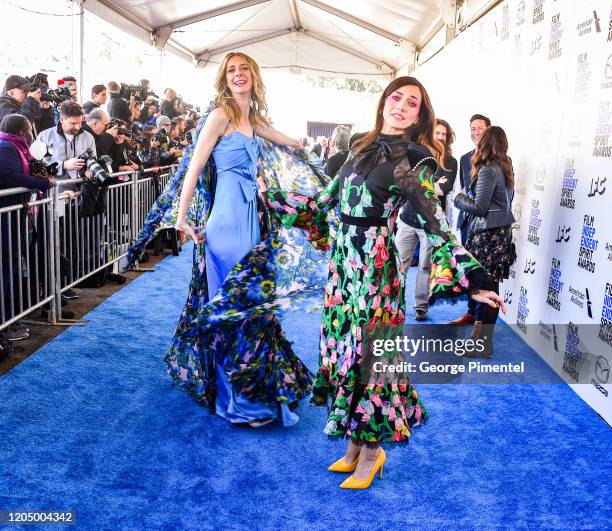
[[232, 230]]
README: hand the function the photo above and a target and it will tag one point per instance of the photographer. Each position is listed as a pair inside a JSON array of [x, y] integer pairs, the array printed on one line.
[[19, 98], [163, 124], [169, 148], [99, 95], [177, 133], [134, 109], [121, 153], [168, 104], [68, 141], [15, 137], [71, 83], [149, 113], [181, 125], [118, 107], [97, 123], [149, 151], [190, 126]]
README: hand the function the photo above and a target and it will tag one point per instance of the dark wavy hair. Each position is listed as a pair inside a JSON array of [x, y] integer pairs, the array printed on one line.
[[421, 132], [493, 149], [450, 137]]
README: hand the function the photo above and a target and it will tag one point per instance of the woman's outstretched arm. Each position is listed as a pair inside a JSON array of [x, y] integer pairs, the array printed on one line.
[[213, 128], [453, 268], [269, 133]]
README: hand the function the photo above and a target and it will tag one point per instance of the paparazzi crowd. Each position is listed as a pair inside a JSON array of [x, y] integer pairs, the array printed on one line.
[[117, 128], [127, 123]]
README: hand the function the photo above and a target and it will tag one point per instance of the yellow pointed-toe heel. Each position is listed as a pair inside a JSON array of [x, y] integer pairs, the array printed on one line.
[[341, 466], [379, 463]]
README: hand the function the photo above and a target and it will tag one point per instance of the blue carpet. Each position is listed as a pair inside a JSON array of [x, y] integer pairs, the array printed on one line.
[[92, 423]]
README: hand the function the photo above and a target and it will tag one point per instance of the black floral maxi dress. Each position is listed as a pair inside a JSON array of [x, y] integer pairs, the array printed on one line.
[[365, 286]]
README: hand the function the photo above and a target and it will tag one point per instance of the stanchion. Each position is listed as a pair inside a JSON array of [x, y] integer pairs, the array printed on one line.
[[135, 224]]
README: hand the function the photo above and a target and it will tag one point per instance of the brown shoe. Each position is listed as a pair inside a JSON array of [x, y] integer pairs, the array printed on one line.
[[465, 319]]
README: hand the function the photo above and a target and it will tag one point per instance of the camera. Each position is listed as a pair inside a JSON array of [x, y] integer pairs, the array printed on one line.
[[40, 81], [136, 128], [55, 95], [40, 169], [188, 108], [162, 137], [139, 92], [100, 167], [121, 130], [186, 136]]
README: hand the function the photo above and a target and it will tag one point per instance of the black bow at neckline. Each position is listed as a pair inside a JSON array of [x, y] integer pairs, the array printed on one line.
[[378, 151]]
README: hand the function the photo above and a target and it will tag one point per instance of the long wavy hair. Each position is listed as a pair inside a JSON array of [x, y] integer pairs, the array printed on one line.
[[421, 132], [493, 149], [450, 137], [258, 110]]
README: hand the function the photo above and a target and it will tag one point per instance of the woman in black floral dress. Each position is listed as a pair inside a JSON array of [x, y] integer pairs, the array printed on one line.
[[391, 164], [490, 231]]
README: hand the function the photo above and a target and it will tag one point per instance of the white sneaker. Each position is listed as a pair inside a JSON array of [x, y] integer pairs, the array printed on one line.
[[14, 334]]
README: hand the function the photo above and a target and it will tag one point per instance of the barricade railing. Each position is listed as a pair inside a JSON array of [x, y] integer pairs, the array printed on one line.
[[51, 244], [27, 254]]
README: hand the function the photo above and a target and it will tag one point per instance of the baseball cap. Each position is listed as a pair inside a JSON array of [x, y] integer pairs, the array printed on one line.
[[13, 82], [163, 120]]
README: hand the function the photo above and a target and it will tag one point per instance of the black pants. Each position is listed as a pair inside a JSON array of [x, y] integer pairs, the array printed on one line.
[[484, 312]]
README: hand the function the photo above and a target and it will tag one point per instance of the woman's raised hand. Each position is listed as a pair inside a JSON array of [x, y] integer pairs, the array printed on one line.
[[489, 297], [190, 231], [437, 186]]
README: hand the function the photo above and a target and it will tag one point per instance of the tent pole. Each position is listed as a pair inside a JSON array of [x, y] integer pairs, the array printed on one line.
[[161, 63], [81, 46]]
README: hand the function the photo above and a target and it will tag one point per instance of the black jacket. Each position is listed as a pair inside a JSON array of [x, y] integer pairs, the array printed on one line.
[[117, 107], [168, 109], [465, 172], [45, 120], [335, 162], [104, 142], [492, 203], [29, 108], [89, 106], [121, 155]]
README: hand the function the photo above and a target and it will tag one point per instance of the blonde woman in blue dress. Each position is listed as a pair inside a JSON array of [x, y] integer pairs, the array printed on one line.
[[231, 136]]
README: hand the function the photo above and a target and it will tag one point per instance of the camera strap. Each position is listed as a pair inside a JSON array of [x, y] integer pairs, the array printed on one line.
[[27, 214]]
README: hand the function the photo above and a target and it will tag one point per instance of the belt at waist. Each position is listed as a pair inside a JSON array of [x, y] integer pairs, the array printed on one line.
[[369, 221]]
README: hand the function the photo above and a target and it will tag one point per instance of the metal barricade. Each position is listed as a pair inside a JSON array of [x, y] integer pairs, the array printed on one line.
[[26, 262], [94, 228], [152, 182], [52, 244]]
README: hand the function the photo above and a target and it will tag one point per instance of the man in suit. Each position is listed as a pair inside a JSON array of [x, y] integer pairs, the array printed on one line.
[[478, 124]]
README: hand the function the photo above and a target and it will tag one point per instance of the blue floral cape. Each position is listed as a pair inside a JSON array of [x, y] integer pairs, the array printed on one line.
[[284, 271]]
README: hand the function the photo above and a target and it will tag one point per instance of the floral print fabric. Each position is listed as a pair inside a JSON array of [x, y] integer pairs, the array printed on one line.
[[494, 250], [238, 326], [365, 287]]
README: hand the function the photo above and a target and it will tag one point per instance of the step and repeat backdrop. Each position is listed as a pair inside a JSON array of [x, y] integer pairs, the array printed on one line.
[[542, 70]]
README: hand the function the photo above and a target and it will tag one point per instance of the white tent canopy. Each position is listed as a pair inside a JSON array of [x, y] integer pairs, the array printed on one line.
[[348, 38]]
